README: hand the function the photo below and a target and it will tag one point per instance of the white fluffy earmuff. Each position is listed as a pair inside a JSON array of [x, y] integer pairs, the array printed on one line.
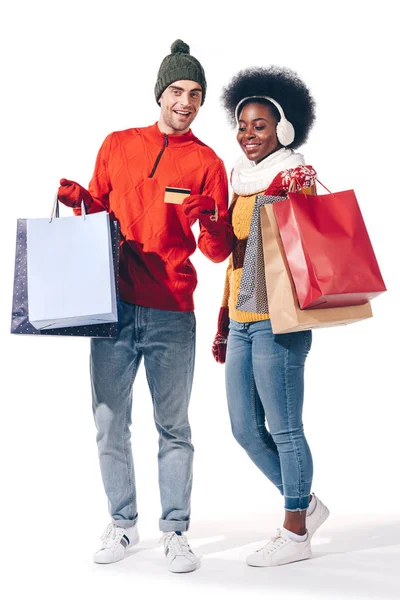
[[284, 129]]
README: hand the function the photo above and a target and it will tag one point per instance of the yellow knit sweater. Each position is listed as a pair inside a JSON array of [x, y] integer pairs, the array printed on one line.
[[241, 212]]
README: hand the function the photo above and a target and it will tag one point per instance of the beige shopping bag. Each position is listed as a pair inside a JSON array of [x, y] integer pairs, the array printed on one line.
[[285, 313]]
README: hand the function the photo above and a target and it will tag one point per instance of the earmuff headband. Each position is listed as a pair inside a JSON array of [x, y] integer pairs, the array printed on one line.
[[284, 129]]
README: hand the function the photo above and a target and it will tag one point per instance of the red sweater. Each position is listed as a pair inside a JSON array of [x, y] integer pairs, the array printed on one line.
[[132, 170]]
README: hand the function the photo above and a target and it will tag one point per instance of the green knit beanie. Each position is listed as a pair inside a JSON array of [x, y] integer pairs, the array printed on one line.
[[177, 66]]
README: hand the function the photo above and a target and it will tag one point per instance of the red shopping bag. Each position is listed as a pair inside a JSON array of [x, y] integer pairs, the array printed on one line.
[[328, 250]]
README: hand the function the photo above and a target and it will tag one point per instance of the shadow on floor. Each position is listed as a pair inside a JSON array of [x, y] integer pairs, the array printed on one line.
[[359, 559]]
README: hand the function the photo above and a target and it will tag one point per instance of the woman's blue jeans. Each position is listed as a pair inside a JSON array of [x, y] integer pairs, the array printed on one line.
[[166, 341], [265, 383]]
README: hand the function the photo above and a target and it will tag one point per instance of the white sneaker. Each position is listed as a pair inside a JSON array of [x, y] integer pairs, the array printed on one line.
[[116, 540], [280, 550], [317, 517], [180, 557]]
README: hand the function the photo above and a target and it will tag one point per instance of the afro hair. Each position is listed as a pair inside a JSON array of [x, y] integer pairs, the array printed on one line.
[[281, 84]]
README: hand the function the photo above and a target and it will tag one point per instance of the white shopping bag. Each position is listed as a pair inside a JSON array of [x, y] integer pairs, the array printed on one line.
[[70, 271]]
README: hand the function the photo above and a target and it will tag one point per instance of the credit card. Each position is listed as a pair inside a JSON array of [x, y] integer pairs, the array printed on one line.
[[175, 195]]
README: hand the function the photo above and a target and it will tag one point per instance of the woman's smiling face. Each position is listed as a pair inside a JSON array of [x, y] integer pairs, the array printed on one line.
[[257, 131]]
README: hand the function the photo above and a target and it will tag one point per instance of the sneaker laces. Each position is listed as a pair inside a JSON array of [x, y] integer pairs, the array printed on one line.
[[178, 544], [274, 543], [111, 536]]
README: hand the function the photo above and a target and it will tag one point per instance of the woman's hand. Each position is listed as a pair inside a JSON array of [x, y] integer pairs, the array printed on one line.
[[221, 337]]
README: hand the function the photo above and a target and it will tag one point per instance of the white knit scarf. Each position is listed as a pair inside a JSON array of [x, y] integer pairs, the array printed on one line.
[[249, 178]]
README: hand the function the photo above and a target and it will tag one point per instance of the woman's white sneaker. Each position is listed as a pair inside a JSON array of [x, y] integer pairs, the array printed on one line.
[[180, 557], [116, 540], [317, 517], [280, 550]]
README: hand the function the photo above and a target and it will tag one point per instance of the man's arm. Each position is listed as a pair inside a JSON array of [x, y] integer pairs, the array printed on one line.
[[97, 197], [216, 234], [100, 184]]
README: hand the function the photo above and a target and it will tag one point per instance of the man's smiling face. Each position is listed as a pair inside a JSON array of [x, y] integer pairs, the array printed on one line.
[[180, 103]]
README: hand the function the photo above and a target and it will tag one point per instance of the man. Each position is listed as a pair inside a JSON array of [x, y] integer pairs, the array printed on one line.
[[157, 281]]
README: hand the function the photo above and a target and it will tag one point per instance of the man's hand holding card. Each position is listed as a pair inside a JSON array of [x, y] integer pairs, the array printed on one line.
[[202, 208]]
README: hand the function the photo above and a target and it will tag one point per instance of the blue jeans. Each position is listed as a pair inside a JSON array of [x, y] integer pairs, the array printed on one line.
[[265, 382], [166, 341]]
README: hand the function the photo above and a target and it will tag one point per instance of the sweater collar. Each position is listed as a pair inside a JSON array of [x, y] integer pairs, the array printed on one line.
[[158, 136]]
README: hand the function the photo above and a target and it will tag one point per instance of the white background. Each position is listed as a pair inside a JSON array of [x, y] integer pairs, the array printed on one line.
[[72, 73]]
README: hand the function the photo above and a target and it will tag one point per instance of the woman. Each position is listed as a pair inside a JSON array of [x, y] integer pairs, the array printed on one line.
[[274, 112]]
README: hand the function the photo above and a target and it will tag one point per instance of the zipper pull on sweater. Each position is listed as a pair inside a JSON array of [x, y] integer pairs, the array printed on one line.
[[159, 156]]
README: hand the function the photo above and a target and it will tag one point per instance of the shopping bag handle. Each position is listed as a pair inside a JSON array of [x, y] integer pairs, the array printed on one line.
[[295, 184], [55, 213], [324, 186]]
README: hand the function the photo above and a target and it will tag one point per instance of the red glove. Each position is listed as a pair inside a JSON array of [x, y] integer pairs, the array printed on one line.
[[304, 176], [202, 208], [71, 194], [221, 338]]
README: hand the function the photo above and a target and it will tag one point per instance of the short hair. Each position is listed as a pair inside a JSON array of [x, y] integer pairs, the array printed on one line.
[[283, 85]]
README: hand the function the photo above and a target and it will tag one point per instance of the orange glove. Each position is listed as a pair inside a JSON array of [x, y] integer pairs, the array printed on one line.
[[221, 338], [71, 194]]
